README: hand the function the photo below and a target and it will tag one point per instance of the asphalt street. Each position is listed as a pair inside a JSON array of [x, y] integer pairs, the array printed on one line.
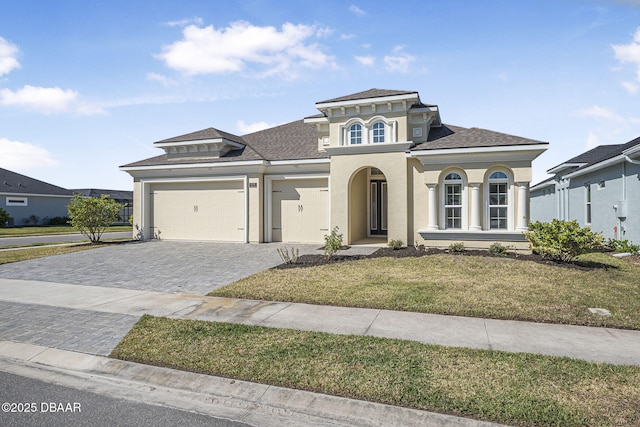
[[30, 402]]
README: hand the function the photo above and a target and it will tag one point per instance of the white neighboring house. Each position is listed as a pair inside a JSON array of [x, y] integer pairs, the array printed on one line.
[[30, 201], [599, 188]]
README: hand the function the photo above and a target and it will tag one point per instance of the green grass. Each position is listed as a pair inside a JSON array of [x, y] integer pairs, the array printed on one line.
[[462, 285], [48, 230], [512, 388], [27, 253]]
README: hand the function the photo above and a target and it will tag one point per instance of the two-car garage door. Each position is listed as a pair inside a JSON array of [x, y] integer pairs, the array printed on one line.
[[198, 211]]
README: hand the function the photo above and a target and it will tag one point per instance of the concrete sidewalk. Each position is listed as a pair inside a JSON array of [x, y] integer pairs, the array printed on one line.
[[592, 344]]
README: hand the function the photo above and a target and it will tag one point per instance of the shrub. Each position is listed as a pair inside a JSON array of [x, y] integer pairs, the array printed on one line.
[[57, 220], [332, 243], [456, 248], [623, 246], [498, 249], [396, 244], [92, 215], [289, 257], [562, 240], [4, 218]]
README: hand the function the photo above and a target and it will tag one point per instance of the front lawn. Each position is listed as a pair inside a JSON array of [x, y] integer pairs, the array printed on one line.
[[491, 287], [513, 388], [54, 229]]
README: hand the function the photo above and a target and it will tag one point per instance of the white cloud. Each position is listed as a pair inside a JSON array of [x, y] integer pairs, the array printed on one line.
[[47, 100], [347, 36], [630, 53], [21, 155], [366, 60], [356, 10], [601, 113], [246, 128], [630, 87], [593, 141], [8, 57], [196, 20], [398, 63], [164, 80], [212, 51]]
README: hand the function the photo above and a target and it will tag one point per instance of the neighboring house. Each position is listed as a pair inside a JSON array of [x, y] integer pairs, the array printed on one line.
[[30, 201], [124, 198], [380, 165], [599, 188]]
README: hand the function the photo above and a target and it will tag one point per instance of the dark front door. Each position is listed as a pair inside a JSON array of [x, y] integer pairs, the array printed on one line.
[[378, 208]]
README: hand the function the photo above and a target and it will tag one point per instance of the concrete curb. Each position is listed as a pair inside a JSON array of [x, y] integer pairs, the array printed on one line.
[[252, 403]]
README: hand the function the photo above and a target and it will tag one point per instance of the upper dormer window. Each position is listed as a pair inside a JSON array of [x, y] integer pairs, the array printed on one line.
[[378, 132], [355, 134]]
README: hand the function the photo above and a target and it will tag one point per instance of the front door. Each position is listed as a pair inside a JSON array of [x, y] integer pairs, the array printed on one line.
[[378, 208]]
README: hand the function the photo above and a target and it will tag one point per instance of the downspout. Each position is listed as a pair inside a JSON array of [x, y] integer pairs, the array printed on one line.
[[624, 189]]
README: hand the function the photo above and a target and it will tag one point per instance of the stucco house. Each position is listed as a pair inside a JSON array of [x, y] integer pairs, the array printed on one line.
[[599, 188], [379, 164], [31, 201]]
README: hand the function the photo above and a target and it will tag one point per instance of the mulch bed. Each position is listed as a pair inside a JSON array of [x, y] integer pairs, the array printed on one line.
[[313, 260]]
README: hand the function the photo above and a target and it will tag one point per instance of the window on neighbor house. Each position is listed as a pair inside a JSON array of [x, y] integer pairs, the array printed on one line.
[[378, 132], [498, 201], [355, 134], [588, 188], [453, 201]]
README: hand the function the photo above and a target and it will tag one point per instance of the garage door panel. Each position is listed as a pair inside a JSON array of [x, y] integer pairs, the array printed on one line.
[[300, 210], [199, 211]]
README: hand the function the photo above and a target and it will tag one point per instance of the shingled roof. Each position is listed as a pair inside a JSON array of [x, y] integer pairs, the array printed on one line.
[[15, 183], [597, 155], [448, 137], [371, 93], [209, 133]]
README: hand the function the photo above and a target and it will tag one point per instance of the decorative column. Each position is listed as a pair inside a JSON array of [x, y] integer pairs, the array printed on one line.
[[475, 207], [433, 207], [522, 215]]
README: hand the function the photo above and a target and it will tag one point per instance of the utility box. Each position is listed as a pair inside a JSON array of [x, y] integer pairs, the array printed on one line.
[[621, 208]]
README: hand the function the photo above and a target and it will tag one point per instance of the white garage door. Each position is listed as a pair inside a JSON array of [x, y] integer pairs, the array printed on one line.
[[300, 210], [199, 211]]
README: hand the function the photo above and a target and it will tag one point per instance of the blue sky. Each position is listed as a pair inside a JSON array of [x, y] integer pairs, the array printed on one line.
[[86, 87]]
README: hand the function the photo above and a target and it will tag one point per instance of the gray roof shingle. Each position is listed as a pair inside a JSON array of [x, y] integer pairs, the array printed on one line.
[[600, 154], [12, 182], [448, 137], [209, 133], [370, 93]]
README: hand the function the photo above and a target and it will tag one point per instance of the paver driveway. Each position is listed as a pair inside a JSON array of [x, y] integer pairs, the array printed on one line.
[[165, 266]]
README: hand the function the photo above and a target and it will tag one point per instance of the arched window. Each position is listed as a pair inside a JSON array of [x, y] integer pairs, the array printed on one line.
[[378, 132], [355, 134], [453, 201], [498, 201]]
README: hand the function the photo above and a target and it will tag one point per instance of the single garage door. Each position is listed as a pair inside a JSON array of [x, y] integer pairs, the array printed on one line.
[[199, 211], [300, 210]]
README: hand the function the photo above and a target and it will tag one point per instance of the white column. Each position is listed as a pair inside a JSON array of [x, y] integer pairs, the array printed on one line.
[[433, 207], [522, 223], [475, 207]]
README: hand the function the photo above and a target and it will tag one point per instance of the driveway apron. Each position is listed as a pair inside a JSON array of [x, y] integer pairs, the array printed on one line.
[[164, 266]]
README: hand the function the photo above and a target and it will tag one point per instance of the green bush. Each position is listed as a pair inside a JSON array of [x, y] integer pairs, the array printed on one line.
[[92, 215], [396, 244], [4, 217], [332, 243], [456, 248], [623, 246], [498, 249], [562, 240]]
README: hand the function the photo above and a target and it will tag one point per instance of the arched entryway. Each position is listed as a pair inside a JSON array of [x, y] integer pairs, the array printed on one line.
[[368, 205]]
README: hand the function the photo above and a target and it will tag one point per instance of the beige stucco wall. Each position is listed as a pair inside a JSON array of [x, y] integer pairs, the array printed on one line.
[[394, 167], [256, 200], [400, 117], [418, 204], [358, 203]]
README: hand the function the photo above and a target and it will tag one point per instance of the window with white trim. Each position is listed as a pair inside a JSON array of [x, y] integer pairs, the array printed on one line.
[[498, 201], [17, 201], [377, 132], [355, 134], [453, 201]]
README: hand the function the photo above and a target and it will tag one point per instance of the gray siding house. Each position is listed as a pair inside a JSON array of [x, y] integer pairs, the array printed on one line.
[[30, 201], [599, 188]]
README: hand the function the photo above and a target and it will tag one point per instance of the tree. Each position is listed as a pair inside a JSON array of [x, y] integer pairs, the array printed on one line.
[[4, 217], [93, 215]]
